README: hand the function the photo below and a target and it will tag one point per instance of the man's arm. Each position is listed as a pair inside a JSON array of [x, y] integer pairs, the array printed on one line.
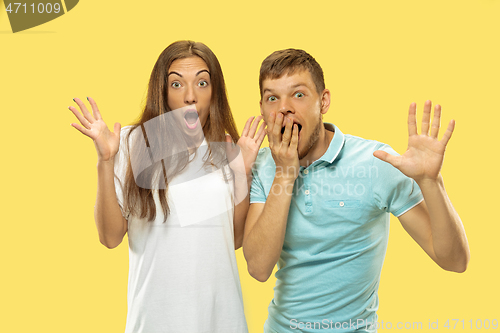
[[436, 227], [433, 224], [265, 231], [265, 226]]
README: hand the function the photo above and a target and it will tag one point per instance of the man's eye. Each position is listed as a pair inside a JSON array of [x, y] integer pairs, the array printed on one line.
[[299, 95], [176, 85], [271, 98], [203, 84]]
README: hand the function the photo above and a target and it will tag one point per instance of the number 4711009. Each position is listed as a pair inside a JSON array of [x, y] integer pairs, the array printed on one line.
[[40, 9], [478, 324]]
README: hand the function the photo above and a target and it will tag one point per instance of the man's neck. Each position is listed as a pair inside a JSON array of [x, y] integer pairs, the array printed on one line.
[[319, 149]]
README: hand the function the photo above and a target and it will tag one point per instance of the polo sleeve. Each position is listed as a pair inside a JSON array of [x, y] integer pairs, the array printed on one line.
[[257, 193], [120, 169], [392, 190]]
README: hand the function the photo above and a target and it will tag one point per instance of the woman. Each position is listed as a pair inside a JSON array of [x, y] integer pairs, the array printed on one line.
[[166, 182]]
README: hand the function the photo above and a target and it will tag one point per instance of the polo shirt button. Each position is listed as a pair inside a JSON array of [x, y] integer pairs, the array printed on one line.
[[307, 192], [306, 172], [341, 204]]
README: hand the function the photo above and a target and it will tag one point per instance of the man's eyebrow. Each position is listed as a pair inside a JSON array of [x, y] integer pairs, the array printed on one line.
[[292, 87], [203, 70], [299, 84], [174, 73]]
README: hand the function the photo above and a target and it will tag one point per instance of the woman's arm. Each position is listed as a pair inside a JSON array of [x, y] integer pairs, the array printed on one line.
[[241, 209], [111, 225], [241, 161]]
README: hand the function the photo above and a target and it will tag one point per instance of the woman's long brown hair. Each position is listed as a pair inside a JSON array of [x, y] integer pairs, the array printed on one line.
[[139, 201]]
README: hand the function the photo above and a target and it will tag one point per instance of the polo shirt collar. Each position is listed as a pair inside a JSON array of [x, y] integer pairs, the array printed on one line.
[[335, 145]]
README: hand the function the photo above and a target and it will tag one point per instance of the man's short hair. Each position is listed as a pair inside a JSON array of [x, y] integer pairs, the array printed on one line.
[[289, 61]]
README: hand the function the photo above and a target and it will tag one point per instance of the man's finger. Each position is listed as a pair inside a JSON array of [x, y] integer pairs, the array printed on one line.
[[287, 135], [276, 134], [448, 133], [269, 130], [295, 138], [426, 118], [436, 121], [412, 119], [386, 157]]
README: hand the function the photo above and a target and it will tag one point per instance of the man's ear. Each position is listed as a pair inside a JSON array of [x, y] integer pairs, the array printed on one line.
[[325, 101], [261, 112]]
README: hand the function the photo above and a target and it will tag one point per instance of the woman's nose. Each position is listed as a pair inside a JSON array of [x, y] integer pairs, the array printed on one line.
[[190, 96]]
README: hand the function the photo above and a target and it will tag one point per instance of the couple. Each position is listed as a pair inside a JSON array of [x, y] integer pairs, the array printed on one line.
[[315, 202]]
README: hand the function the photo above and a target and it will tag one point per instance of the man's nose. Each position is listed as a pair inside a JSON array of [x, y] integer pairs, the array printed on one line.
[[190, 95], [285, 107]]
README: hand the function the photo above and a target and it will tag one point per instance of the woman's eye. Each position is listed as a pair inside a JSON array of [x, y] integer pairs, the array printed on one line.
[[299, 95], [271, 98], [203, 84], [176, 85]]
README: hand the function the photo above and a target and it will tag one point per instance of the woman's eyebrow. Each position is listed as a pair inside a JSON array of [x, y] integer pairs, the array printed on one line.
[[174, 73], [203, 70]]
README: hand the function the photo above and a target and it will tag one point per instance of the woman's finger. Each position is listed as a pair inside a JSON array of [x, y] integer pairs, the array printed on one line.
[[95, 109], [247, 126], [253, 129], [260, 131], [85, 112], [79, 116], [261, 135], [84, 131]]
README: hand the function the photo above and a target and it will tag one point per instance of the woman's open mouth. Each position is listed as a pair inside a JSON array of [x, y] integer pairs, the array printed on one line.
[[191, 118]]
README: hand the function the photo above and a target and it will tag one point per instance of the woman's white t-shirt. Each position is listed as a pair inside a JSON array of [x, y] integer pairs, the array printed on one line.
[[183, 276]]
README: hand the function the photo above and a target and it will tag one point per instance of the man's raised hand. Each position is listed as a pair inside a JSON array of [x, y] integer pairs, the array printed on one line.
[[424, 156]]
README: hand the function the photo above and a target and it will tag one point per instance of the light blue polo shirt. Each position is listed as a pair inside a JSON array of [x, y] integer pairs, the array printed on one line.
[[336, 235]]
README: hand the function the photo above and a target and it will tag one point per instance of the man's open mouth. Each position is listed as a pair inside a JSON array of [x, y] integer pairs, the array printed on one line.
[[284, 127]]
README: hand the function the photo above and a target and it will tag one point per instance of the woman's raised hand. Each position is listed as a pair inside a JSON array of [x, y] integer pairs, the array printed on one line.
[[105, 141], [249, 144]]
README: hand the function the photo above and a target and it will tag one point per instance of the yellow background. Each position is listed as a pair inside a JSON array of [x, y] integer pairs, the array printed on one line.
[[378, 57]]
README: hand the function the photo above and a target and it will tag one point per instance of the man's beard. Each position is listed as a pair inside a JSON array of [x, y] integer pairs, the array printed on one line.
[[312, 139]]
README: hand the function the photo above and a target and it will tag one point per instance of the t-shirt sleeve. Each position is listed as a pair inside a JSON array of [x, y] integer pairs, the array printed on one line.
[[257, 193], [120, 169], [392, 190]]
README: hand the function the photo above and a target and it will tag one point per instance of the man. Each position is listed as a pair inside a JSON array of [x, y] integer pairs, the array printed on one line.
[[320, 201]]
